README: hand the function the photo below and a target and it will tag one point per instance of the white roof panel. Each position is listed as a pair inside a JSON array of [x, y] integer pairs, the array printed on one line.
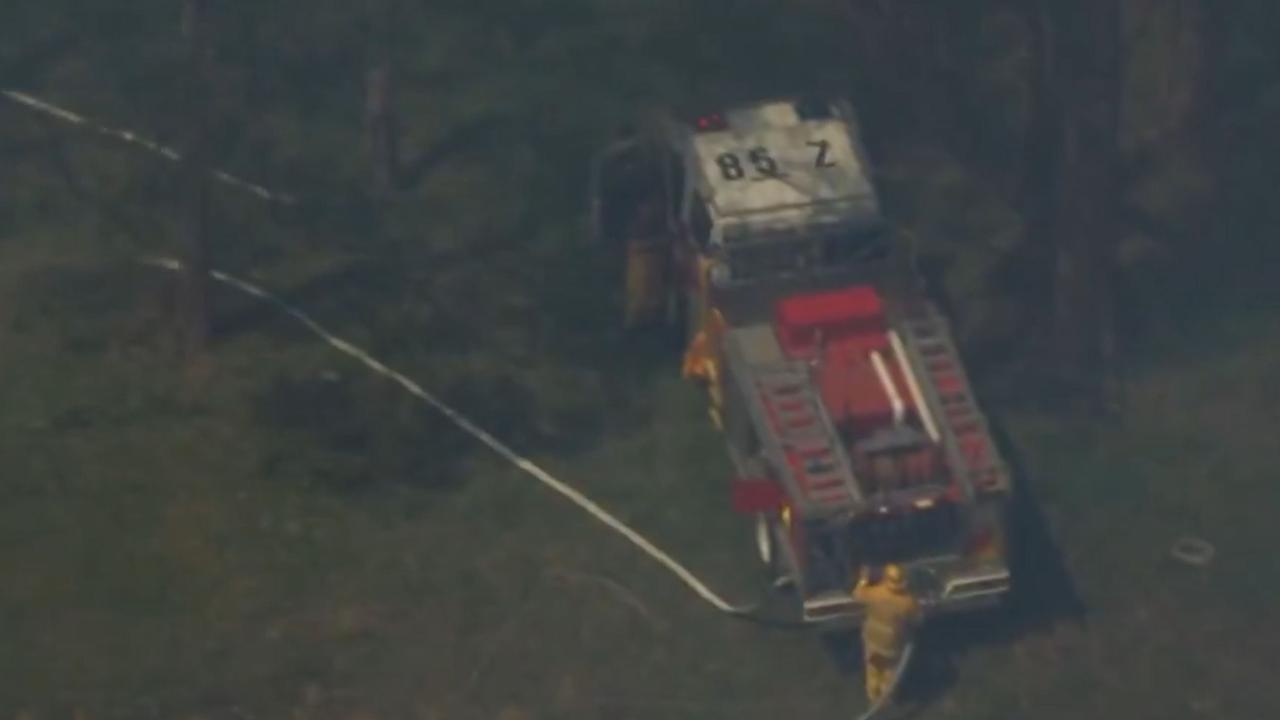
[[769, 160]]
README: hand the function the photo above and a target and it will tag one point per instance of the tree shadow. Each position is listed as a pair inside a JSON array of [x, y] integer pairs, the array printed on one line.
[[1042, 596], [1043, 593], [95, 309], [844, 649], [579, 329], [21, 65], [408, 173], [367, 430], [343, 433], [574, 301], [357, 293]]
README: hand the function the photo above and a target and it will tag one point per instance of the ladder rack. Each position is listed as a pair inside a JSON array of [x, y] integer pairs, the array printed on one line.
[[809, 440], [926, 339]]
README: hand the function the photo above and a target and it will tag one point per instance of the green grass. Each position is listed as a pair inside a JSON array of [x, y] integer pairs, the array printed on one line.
[[295, 543], [273, 540], [189, 548], [270, 539]]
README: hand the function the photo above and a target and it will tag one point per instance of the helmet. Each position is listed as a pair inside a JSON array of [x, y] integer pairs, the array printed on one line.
[[894, 576]]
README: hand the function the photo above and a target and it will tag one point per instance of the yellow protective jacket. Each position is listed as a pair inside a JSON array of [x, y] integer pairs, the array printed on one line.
[[891, 617]]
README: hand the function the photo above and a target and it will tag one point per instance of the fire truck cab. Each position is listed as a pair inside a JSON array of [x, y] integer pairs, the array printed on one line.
[[852, 427]]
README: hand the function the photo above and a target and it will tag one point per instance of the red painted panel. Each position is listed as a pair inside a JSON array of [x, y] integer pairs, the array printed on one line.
[[848, 382], [756, 495], [860, 302], [867, 404], [839, 314]]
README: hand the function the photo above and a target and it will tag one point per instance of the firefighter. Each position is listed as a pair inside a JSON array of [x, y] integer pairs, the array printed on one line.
[[892, 615], [700, 364], [643, 279]]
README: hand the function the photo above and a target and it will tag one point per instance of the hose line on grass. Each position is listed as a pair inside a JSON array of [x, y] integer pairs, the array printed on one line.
[[750, 613], [64, 115], [528, 466], [70, 117]]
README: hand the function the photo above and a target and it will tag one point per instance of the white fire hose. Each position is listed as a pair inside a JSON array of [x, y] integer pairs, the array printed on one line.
[[741, 611]]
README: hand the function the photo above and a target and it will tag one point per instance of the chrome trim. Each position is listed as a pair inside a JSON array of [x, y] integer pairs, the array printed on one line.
[[992, 582], [833, 605]]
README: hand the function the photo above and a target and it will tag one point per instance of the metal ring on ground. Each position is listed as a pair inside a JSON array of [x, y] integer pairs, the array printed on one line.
[[1192, 551]]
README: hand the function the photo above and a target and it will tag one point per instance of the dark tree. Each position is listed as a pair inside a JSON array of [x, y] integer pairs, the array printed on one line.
[[924, 70], [392, 167], [382, 132], [193, 310], [1082, 76], [897, 44]]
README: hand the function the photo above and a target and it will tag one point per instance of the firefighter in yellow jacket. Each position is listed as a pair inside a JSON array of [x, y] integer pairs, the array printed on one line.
[[892, 616]]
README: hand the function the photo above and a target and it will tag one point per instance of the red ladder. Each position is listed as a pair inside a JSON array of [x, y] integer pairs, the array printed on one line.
[[802, 427], [969, 441]]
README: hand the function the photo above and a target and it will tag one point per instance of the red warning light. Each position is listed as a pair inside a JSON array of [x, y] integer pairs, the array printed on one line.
[[714, 121]]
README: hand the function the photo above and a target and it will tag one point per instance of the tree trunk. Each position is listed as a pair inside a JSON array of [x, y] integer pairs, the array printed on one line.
[[193, 321], [922, 70], [889, 39], [1087, 75], [380, 129], [382, 133], [1043, 138]]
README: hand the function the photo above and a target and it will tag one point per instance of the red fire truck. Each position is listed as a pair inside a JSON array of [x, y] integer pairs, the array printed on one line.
[[849, 418]]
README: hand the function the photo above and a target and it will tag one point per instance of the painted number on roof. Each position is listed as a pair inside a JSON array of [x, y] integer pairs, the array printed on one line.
[[731, 167], [823, 147]]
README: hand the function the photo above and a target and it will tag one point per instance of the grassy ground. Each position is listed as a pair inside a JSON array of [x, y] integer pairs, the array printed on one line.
[[289, 536], [292, 535], [273, 539]]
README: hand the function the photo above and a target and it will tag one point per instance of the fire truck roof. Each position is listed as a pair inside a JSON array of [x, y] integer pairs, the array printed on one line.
[[781, 162]]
